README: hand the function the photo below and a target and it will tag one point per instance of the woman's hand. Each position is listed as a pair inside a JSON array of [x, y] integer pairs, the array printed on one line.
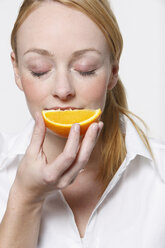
[[36, 177]]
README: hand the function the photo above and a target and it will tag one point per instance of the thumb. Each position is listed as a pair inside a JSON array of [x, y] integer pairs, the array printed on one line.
[[38, 135]]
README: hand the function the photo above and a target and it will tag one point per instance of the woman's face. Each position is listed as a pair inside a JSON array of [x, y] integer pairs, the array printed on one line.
[[63, 60]]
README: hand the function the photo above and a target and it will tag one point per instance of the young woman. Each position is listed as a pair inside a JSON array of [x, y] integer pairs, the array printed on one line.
[[105, 189]]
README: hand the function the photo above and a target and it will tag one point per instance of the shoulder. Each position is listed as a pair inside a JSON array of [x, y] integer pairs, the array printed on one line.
[[16, 143], [9, 144], [158, 149], [5, 142]]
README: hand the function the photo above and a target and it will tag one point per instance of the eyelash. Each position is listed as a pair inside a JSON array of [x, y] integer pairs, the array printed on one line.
[[82, 73], [38, 74], [87, 73]]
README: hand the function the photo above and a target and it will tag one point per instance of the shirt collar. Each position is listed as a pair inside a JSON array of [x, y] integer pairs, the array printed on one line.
[[134, 143]]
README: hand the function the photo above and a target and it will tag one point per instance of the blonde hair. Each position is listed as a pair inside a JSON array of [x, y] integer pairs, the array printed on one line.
[[113, 148]]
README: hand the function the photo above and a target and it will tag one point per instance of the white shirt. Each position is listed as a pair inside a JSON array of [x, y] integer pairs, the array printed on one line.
[[130, 213]]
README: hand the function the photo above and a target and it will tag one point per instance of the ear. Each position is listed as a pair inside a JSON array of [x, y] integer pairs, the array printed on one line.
[[114, 76], [16, 70]]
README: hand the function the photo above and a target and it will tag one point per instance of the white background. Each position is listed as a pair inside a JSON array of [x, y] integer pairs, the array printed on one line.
[[142, 67]]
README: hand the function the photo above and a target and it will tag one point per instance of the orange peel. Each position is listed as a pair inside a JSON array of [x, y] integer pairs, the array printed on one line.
[[61, 121]]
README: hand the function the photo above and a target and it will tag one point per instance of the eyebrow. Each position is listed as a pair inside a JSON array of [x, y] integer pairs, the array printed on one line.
[[49, 54]]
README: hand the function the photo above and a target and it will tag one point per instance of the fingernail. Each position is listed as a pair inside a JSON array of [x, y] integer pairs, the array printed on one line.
[[100, 127], [95, 126], [76, 127]]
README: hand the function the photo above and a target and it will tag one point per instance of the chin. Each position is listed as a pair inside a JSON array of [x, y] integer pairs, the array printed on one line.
[[55, 134]]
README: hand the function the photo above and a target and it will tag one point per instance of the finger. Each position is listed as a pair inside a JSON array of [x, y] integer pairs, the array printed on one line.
[[87, 146], [72, 143], [89, 142], [71, 148], [100, 125], [66, 158], [86, 149], [38, 134]]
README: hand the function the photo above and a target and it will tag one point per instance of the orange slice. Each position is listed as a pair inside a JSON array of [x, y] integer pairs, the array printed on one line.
[[60, 121]]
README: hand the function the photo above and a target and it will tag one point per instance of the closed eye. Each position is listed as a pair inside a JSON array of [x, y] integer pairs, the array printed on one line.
[[38, 74], [82, 73], [87, 73]]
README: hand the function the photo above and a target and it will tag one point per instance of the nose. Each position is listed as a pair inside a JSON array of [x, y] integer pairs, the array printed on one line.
[[62, 87]]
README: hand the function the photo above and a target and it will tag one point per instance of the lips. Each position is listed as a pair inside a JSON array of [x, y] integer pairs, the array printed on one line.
[[62, 108]]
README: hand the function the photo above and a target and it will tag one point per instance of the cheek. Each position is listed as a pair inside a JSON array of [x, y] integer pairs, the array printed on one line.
[[34, 91], [95, 90]]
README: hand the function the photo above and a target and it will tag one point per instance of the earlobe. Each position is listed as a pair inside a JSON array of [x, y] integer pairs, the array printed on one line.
[[16, 71], [114, 76]]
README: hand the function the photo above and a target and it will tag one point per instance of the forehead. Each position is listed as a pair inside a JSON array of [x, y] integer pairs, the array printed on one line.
[[52, 25]]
